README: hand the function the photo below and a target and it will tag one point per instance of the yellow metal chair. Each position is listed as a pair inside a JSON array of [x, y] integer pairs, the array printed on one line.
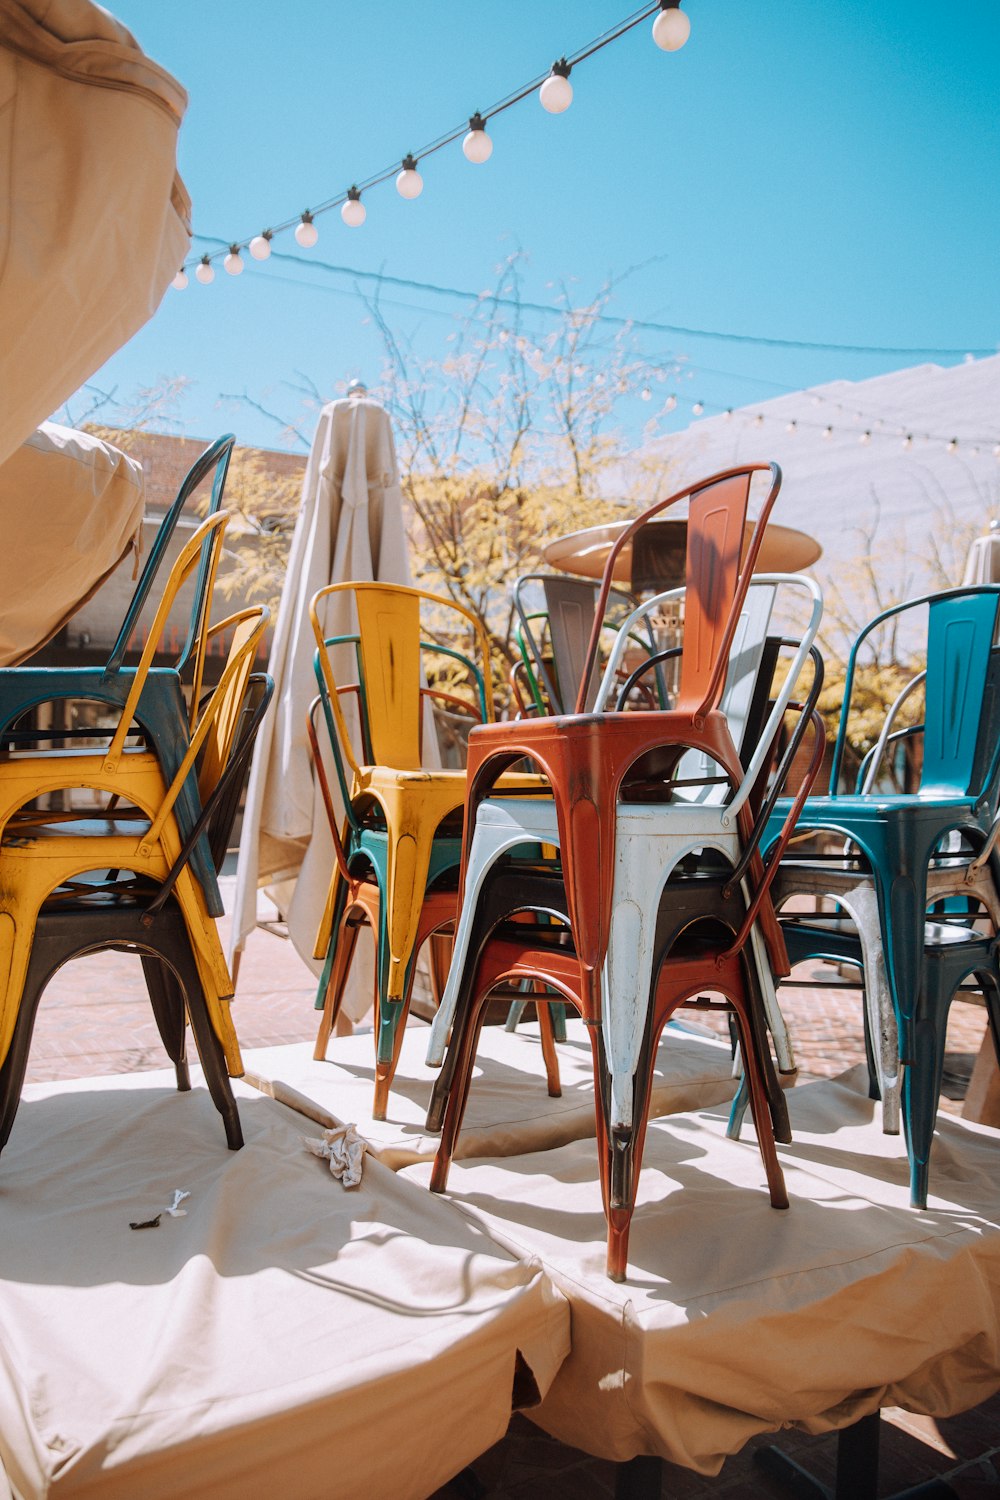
[[138, 831], [384, 758]]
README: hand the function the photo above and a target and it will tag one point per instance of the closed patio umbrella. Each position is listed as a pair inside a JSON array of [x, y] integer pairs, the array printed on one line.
[[350, 527]]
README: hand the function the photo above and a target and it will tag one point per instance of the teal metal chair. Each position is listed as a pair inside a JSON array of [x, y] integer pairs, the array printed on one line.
[[899, 834], [951, 952], [161, 712]]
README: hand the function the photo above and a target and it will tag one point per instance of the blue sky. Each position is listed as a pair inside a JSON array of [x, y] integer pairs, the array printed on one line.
[[811, 171]]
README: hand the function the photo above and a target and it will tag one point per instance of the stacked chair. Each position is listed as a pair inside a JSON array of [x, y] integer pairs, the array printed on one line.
[[126, 876], [653, 898], [398, 852], [905, 856], [159, 710], [554, 642]]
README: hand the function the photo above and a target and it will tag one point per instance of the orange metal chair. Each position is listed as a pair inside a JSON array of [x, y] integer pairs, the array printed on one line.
[[591, 760]]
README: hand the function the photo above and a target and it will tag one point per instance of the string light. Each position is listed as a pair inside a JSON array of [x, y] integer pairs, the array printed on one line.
[[409, 183], [477, 146], [180, 281], [953, 445], [204, 271], [645, 394], [672, 27], [306, 233], [670, 402], [828, 432], [260, 245], [792, 426], [353, 212], [234, 261], [865, 437], [556, 93], [908, 441], [697, 408]]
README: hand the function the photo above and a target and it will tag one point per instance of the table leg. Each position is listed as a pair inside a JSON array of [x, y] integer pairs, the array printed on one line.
[[639, 1479]]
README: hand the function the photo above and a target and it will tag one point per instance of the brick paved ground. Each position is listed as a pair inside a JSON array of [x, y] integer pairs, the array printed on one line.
[[95, 1019]]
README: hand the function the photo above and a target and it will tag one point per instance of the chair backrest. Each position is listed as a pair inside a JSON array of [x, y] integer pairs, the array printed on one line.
[[568, 620], [245, 626], [720, 563], [961, 628], [389, 651], [209, 535], [746, 656], [215, 731], [219, 811], [215, 462]]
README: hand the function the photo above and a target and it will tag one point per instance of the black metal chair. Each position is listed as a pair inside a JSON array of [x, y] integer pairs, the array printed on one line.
[[119, 911]]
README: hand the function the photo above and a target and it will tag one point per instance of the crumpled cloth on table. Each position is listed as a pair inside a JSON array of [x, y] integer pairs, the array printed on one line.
[[344, 1149]]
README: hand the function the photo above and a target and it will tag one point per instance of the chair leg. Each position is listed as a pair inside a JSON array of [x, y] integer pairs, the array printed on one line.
[[465, 1038], [546, 1031], [335, 972], [759, 1103], [167, 1001], [211, 1054], [16, 1062]]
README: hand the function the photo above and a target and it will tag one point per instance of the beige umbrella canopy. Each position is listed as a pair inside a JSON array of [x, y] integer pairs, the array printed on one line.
[[350, 527], [654, 559], [94, 220]]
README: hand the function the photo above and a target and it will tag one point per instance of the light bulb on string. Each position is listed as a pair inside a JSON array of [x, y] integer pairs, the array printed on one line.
[[672, 27], [409, 183], [670, 403], [234, 261], [697, 409], [758, 420], [793, 426], [306, 233], [865, 437], [353, 212], [727, 415], [645, 394], [953, 445], [204, 272], [260, 245], [180, 281], [556, 93], [828, 432], [908, 441], [477, 146]]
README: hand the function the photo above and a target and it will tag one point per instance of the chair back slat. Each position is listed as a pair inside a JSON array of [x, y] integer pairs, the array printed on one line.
[[716, 519], [390, 689], [960, 632], [214, 461], [719, 568], [389, 626]]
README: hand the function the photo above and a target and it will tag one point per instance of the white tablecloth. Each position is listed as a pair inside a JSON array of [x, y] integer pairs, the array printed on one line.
[[285, 1338], [738, 1319]]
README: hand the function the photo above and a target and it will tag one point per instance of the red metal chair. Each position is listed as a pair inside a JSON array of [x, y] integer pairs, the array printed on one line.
[[703, 930], [591, 760], [361, 902]]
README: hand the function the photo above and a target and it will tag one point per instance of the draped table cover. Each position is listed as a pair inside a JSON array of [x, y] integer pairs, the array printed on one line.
[[283, 1337], [738, 1319]]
